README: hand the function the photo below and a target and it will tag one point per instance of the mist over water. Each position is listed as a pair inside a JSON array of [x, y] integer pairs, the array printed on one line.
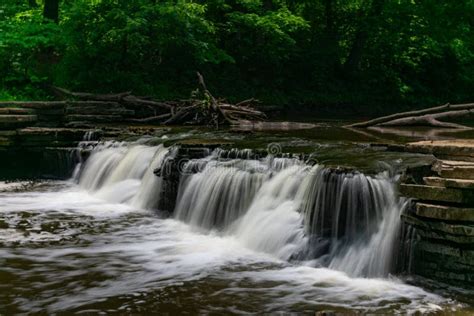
[[262, 235]]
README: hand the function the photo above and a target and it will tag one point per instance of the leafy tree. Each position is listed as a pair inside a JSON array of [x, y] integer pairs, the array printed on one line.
[[345, 56], [24, 40]]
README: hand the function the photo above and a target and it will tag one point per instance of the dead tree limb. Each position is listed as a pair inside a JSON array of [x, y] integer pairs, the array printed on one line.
[[432, 120], [215, 105], [198, 110], [181, 115], [425, 117]]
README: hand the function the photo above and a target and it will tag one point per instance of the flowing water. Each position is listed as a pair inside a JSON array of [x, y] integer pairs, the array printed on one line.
[[247, 235]]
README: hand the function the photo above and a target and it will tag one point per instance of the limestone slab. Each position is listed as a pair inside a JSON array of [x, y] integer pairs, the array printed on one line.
[[94, 118], [449, 183], [16, 111], [448, 213], [454, 169], [454, 149], [434, 193]]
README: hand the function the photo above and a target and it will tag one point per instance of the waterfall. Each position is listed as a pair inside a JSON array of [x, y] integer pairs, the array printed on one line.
[[218, 195], [355, 219], [340, 219], [328, 217], [123, 173], [272, 223]]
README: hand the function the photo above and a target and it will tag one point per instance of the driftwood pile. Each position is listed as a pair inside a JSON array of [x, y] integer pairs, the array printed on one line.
[[201, 109], [426, 117]]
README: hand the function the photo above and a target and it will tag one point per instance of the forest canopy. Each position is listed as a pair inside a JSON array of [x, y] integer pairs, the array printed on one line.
[[356, 55]]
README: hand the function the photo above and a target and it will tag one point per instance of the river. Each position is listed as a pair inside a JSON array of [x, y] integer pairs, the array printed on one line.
[[246, 236]]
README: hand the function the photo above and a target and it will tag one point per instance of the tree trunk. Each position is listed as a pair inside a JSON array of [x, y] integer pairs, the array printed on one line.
[[51, 10]]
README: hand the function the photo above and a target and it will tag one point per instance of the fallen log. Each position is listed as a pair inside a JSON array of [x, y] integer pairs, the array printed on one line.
[[247, 102], [134, 101], [90, 96], [425, 117], [229, 107], [432, 120], [153, 119]]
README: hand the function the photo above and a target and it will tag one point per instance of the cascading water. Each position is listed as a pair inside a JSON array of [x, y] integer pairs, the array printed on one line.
[[347, 221], [123, 173], [354, 219], [221, 191], [343, 220], [273, 223], [278, 232]]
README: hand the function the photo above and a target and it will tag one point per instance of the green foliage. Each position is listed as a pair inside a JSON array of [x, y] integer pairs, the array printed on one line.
[[26, 46], [348, 55]]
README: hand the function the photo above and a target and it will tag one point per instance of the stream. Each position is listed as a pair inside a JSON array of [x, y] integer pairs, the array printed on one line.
[[247, 235]]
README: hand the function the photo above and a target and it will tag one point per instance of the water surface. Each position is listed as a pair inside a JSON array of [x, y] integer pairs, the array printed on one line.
[[66, 250]]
